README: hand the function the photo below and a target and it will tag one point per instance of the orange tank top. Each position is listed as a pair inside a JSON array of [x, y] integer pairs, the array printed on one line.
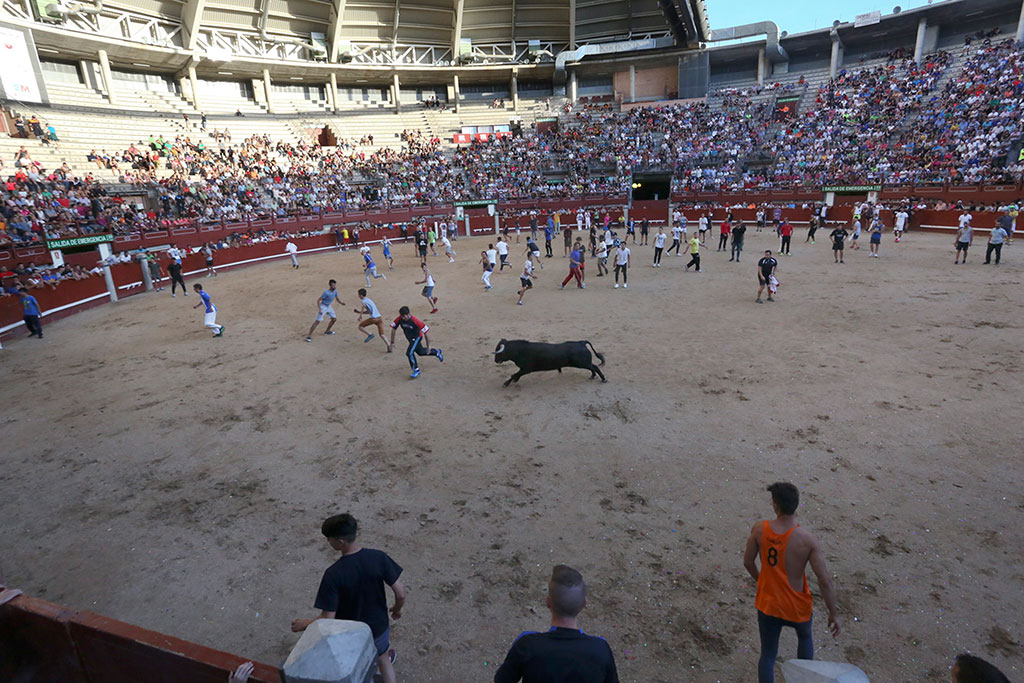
[[775, 597]]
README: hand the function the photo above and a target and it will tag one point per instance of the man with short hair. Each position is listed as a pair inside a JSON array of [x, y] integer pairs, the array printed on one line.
[[659, 246], [353, 588], [695, 247], [210, 315], [970, 669], [964, 235], [574, 269], [174, 270], [562, 653], [622, 265], [30, 313], [900, 224], [502, 249], [783, 596], [293, 251], [526, 279], [765, 272], [324, 304], [369, 267], [995, 244], [370, 310], [738, 234], [838, 236], [786, 233], [419, 343], [428, 287]]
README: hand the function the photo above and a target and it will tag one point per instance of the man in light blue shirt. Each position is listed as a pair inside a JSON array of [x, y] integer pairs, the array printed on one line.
[[30, 311], [324, 304]]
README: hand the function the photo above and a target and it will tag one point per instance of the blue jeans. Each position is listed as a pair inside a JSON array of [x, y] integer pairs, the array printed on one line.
[[770, 629], [382, 642]]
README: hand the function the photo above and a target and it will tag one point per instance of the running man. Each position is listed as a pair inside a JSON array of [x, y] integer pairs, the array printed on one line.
[[385, 250], [526, 280], [419, 343], [448, 251], [765, 272], [695, 247], [488, 269], [839, 236], [369, 267], [533, 251], [659, 246], [428, 287], [574, 269], [502, 249], [856, 234], [210, 318], [876, 237], [292, 251], [324, 304], [812, 227], [964, 235], [372, 313], [783, 596], [622, 265], [901, 224], [677, 232]]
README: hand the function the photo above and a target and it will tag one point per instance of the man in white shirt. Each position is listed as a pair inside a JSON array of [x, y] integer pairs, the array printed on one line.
[[901, 223], [292, 251], [502, 248], [963, 242], [677, 233], [659, 244], [621, 264], [525, 280], [492, 256], [995, 244]]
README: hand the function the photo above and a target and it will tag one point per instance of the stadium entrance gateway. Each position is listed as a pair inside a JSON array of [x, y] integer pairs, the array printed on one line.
[[858, 193], [77, 245], [491, 204]]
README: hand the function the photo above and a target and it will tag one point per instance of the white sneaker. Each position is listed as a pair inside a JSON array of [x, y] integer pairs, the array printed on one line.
[[625, 286], [616, 285]]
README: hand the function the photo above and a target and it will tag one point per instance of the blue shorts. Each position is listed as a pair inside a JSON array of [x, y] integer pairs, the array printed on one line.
[[428, 292], [876, 238], [387, 253], [383, 642]]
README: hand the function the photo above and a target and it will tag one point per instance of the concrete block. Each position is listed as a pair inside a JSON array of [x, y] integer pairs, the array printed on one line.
[[332, 651], [815, 671]]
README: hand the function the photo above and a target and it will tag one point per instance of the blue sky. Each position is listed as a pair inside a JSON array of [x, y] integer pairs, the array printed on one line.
[[797, 16]]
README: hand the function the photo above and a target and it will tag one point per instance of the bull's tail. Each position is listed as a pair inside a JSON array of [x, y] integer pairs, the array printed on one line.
[[599, 356]]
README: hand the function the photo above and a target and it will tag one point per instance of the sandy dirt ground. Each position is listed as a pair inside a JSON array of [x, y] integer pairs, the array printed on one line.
[[178, 482]]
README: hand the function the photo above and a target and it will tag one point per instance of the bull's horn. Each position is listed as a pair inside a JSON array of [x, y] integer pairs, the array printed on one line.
[[500, 349]]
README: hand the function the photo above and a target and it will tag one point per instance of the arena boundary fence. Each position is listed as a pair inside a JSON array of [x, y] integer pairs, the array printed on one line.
[[41, 641]]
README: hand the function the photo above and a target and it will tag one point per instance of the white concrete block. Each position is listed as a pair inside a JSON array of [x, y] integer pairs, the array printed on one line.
[[332, 651], [815, 671]]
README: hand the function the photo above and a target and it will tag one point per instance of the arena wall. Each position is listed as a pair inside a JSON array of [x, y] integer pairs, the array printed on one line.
[[47, 643]]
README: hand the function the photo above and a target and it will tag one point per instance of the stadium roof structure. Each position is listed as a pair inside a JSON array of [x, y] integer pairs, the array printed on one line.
[[301, 37]]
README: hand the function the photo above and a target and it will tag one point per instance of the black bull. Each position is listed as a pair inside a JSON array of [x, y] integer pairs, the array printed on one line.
[[538, 357]]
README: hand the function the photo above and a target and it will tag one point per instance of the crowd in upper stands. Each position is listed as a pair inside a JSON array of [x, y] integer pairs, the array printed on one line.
[[900, 122]]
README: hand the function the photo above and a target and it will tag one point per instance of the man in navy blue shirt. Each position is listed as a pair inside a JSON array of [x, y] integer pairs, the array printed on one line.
[[353, 588], [563, 653], [549, 234]]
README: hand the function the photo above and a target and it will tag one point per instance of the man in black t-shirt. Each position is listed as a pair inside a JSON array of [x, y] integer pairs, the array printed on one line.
[[353, 588], [563, 653], [838, 236], [174, 270], [739, 231], [765, 272]]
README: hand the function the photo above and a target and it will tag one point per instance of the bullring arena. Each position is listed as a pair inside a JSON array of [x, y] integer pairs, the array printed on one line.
[[160, 477]]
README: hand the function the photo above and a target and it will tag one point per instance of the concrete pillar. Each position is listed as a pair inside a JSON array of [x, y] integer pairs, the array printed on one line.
[[837, 57], [332, 92], [88, 74], [455, 88], [513, 90], [105, 252], [147, 278], [266, 91], [922, 29], [194, 84], [397, 94], [760, 66], [108, 81], [572, 87], [632, 83], [1020, 25]]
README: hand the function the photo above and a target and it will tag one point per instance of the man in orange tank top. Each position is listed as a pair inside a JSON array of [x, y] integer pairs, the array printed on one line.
[[783, 596]]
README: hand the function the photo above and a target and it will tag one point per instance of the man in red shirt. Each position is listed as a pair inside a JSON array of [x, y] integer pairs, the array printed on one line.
[[786, 231], [419, 343], [723, 236]]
